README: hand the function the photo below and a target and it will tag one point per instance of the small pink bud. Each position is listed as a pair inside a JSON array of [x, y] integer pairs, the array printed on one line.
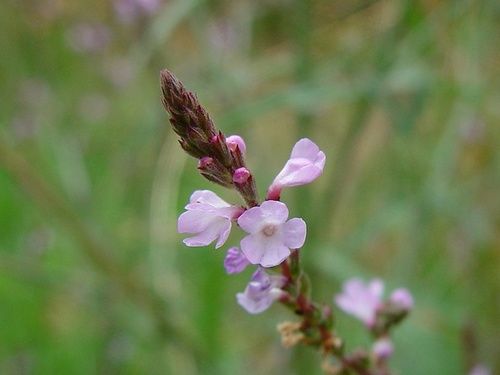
[[214, 139], [383, 348], [234, 141], [402, 298], [241, 175], [205, 162]]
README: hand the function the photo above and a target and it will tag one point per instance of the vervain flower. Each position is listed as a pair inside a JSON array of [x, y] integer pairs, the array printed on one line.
[[271, 236], [208, 217], [306, 163], [364, 301], [261, 292], [235, 261], [361, 300]]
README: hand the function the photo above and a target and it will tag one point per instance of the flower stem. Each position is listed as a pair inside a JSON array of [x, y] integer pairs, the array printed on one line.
[[316, 319]]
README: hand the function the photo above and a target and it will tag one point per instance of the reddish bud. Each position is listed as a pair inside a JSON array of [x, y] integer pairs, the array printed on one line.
[[205, 162], [241, 175]]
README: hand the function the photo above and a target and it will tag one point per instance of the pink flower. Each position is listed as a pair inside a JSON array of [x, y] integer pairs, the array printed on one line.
[[306, 163], [261, 292], [234, 141], [208, 217], [383, 348], [235, 261], [361, 300], [271, 236], [402, 298]]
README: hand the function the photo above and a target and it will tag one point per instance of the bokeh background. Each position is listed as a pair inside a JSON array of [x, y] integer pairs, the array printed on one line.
[[401, 95]]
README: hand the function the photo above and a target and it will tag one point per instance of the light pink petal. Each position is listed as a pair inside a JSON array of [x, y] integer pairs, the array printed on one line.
[[305, 148], [270, 212], [229, 212], [194, 221], [208, 197], [376, 288], [275, 253], [252, 220], [223, 234], [320, 160], [306, 163], [253, 246], [297, 173], [274, 212], [207, 236], [294, 233], [266, 251]]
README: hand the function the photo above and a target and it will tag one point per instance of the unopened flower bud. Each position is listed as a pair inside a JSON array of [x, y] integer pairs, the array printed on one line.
[[234, 141], [205, 162], [402, 298], [383, 348], [241, 176]]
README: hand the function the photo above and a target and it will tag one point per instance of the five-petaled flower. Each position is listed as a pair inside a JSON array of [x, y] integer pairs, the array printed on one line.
[[306, 163], [364, 301], [361, 300], [208, 217], [271, 237], [261, 292]]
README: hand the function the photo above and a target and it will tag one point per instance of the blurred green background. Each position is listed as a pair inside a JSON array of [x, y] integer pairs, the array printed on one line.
[[401, 95]]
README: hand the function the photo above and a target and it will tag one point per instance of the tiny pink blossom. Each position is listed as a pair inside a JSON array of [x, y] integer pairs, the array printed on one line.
[[383, 348], [271, 236], [306, 163], [361, 300], [241, 175], [261, 292], [234, 141], [402, 298], [208, 217], [235, 261]]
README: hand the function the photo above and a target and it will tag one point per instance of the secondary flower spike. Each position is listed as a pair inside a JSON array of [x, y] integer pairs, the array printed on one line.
[[261, 292], [306, 163], [208, 217], [271, 236]]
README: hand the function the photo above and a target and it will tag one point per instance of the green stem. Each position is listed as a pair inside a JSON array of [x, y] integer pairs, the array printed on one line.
[[316, 318]]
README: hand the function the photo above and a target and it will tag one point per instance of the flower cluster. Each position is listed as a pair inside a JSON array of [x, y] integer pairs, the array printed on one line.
[[270, 238], [272, 241]]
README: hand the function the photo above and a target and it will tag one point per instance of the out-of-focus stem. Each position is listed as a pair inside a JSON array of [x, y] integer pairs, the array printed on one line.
[[97, 253]]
